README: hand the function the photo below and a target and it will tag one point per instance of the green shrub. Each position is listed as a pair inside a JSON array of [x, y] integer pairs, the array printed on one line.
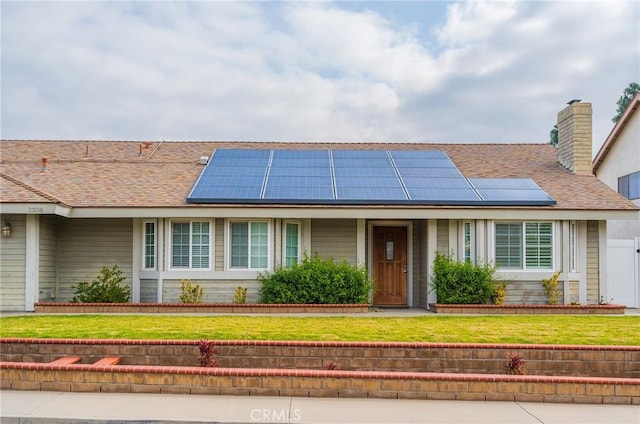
[[463, 282], [105, 288], [190, 293], [316, 280]]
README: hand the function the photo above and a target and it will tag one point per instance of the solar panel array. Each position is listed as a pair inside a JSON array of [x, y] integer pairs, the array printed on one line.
[[353, 177]]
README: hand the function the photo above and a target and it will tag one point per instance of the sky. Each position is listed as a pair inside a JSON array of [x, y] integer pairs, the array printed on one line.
[[451, 72]]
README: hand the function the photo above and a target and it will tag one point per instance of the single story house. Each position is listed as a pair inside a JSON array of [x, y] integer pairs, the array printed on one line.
[[219, 213], [617, 164]]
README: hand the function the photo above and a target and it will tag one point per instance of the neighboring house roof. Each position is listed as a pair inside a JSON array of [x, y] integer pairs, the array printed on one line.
[[615, 133], [99, 174]]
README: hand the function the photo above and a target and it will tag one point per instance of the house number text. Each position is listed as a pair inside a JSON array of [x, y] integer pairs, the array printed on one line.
[[33, 209]]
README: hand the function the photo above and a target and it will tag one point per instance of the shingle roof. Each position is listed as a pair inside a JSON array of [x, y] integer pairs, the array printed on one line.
[[161, 174]]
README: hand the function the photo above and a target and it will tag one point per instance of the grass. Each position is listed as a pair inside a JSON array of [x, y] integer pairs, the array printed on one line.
[[559, 329]]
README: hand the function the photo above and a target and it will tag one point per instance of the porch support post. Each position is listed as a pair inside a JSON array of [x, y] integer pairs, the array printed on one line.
[[135, 260], [602, 260], [582, 262], [162, 236], [360, 242], [306, 236], [278, 230], [453, 239], [481, 241], [432, 245], [32, 262], [566, 258]]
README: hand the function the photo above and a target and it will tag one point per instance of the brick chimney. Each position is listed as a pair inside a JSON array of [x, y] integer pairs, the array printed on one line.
[[575, 138]]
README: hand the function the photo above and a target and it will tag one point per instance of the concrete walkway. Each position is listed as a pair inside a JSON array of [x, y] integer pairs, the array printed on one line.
[[23, 407]]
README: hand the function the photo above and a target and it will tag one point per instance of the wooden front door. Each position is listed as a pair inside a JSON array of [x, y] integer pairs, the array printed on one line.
[[390, 265]]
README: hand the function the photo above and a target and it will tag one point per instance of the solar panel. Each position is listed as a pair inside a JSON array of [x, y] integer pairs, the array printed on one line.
[[295, 193], [204, 194], [418, 154], [429, 172], [426, 177], [509, 190], [239, 171], [373, 195], [371, 182], [295, 181], [423, 163], [300, 154], [436, 195], [504, 183], [299, 171], [511, 195], [364, 172], [361, 162], [241, 153], [232, 180], [436, 182], [301, 163], [359, 154]]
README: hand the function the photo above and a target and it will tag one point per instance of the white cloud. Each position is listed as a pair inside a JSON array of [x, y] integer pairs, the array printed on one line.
[[475, 21], [494, 71]]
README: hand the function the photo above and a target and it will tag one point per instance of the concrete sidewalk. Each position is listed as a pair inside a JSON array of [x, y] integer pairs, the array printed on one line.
[[22, 407]]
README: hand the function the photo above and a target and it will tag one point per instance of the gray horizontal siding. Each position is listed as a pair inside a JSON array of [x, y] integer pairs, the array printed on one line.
[[335, 238], [48, 258], [443, 237], [593, 262], [529, 292], [87, 245], [148, 291], [215, 291], [12, 264]]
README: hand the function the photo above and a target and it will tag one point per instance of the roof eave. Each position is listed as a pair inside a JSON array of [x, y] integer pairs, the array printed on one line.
[[349, 212], [616, 131]]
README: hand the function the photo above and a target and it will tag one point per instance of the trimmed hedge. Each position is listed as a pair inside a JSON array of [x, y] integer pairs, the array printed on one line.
[[463, 282], [316, 280]]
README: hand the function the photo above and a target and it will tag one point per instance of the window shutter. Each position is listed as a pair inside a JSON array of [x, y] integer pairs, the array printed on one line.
[[509, 245], [539, 245]]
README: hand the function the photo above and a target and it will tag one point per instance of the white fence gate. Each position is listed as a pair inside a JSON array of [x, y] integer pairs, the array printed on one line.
[[623, 272]]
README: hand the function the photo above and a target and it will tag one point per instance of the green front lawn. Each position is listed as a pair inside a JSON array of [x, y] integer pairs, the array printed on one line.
[[559, 329]]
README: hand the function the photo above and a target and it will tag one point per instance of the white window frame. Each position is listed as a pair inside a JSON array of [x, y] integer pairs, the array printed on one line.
[[284, 241], [170, 244], [228, 247], [472, 241], [155, 244], [523, 246]]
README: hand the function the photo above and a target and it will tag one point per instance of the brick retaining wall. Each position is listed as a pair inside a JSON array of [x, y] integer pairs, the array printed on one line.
[[551, 360], [441, 308], [317, 383], [204, 308]]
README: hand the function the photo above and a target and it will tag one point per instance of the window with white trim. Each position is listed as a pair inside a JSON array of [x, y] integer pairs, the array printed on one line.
[[191, 244], [249, 245], [527, 245], [149, 254], [467, 242], [291, 243]]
